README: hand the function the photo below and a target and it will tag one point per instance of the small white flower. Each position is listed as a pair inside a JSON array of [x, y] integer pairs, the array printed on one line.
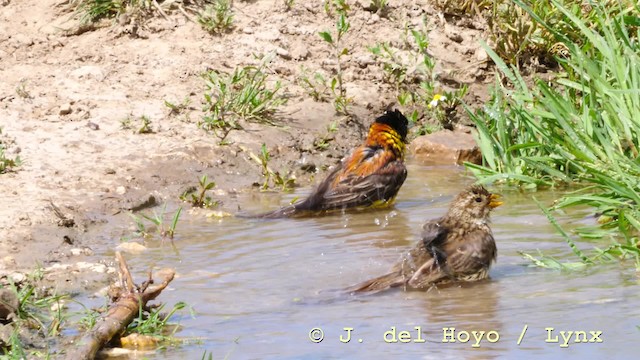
[[436, 99]]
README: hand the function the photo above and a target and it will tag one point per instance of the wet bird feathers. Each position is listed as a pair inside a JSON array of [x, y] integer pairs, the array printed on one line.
[[370, 176], [456, 247]]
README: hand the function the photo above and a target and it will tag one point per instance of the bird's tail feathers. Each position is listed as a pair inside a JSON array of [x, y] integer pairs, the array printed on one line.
[[378, 284], [284, 212]]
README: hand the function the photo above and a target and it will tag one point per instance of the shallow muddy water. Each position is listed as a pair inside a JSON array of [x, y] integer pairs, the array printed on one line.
[[259, 287]]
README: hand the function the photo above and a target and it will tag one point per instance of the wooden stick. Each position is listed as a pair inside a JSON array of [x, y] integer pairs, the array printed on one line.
[[120, 314]]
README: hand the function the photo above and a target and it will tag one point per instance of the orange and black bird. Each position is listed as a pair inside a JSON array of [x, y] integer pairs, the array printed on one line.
[[458, 247], [369, 177]]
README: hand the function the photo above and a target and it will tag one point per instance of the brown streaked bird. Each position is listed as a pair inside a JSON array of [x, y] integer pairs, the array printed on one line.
[[457, 247], [369, 177]]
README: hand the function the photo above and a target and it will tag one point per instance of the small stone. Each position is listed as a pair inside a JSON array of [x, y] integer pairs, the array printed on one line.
[[452, 33], [138, 341], [93, 126], [365, 60], [248, 30], [109, 171], [65, 109], [120, 190], [131, 247], [219, 192], [283, 53], [81, 251], [17, 278], [300, 51], [446, 147], [374, 19], [481, 54], [8, 303], [365, 4]]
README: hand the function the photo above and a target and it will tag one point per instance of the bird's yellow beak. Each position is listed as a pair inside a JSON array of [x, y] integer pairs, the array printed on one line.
[[495, 201]]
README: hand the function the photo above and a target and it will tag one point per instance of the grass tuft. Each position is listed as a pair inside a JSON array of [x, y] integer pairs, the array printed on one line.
[[580, 128], [241, 95]]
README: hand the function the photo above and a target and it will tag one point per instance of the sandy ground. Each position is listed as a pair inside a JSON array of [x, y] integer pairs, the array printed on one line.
[[63, 99]]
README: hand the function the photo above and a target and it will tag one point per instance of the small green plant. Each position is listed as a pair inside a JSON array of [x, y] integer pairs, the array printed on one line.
[[322, 143], [200, 199], [341, 100], [179, 108], [217, 18], [394, 68], [39, 309], [15, 349], [340, 6], [89, 318], [154, 323], [285, 183], [288, 4], [157, 219], [242, 95], [314, 84], [92, 11], [143, 128], [22, 91], [465, 7], [411, 72], [5, 162], [264, 158], [378, 6], [444, 106]]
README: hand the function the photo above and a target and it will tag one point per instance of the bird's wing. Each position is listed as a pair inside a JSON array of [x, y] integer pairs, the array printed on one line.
[[434, 234], [365, 190], [463, 259]]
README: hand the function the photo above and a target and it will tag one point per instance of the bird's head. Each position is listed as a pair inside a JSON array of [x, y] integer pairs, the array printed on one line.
[[396, 121], [474, 204]]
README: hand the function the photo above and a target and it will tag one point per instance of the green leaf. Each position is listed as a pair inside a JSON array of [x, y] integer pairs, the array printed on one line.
[[326, 36]]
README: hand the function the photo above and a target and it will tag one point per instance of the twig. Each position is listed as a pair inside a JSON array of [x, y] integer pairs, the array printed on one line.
[[120, 314]]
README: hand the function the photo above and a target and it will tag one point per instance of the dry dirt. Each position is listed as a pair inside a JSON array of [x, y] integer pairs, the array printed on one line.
[[63, 98]]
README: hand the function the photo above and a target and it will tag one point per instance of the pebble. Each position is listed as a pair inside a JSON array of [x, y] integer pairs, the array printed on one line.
[[453, 34], [17, 277], [481, 54], [283, 53], [300, 51], [9, 303], [65, 109], [365, 60], [120, 190], [374, 19], [79, 251], [131, 247], [93, 126]]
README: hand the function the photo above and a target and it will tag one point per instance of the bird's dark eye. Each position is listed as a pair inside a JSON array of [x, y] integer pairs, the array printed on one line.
[[478, 199]]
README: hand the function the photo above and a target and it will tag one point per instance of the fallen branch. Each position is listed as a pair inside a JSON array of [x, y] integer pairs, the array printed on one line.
[[122, 312]]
